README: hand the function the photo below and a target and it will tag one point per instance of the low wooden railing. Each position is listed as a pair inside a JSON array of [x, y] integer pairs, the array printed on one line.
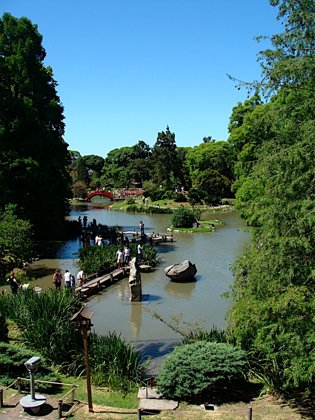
[[59, 402]]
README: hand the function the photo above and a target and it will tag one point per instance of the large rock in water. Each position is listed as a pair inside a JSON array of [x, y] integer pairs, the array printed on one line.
[[183, 271]]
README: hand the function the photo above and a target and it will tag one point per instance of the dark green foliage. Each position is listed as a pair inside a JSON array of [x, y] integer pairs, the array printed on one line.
[[183, 218], [16, 245], [4, 328], [196, 371], [44, 323], [165, 160], [126, 164], [33, 154], [213, 185], [180, 198], [273, 294], [12, 359], [114, 363]]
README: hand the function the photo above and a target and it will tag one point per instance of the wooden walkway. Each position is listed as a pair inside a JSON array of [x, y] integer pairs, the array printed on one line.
[[149, 236], [99, 283]]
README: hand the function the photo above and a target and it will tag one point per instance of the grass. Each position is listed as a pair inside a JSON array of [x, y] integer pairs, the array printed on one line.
[[263, 408], [115, 405]]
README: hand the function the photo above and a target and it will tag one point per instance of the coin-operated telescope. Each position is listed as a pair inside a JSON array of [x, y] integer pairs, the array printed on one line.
[[32, 401]]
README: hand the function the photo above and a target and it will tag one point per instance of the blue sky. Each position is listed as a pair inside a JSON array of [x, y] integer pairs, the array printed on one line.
[[128, 68]]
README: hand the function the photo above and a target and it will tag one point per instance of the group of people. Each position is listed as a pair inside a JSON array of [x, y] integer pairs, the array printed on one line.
[[67, 279], [123, 255]]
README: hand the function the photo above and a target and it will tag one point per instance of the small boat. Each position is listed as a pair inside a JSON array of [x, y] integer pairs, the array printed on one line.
[[183, 271]]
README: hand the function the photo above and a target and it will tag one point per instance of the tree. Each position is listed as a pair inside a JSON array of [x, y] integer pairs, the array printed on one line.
[[213, 185], [94, 163], [183, 218], [33, 155], [216, 156], [16, 246], [126, 164], [165, 159], [273, 293]]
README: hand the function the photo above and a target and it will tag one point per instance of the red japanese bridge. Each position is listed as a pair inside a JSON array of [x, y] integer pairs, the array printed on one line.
[[100, 193]]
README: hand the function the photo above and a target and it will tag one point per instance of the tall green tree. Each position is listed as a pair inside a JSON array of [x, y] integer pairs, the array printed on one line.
[[273, 294], [33, 155], [126, 165], [16, 245], [165, 159]]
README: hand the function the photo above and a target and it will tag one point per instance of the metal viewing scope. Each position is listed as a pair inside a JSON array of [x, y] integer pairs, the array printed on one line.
[[32, 363]]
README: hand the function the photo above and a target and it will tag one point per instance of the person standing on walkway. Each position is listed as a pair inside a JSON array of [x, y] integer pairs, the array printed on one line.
[[141, 225], [57, 278], [120, 258], [80, 278], [67, 278], [139, 253], [14, 284], [126, 255]]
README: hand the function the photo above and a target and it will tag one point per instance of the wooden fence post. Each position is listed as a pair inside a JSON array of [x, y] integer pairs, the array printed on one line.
[[250, 413], [59, 409], [19, 385], [73, 395]]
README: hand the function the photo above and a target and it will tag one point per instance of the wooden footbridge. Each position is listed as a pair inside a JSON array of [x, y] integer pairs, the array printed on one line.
[[98, 283], [154, 238]]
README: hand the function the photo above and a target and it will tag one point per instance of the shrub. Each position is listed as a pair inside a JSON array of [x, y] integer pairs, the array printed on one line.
[[183, 218], [4, 327], [12, 359], [196, 371], [114, 363], [180, 198]]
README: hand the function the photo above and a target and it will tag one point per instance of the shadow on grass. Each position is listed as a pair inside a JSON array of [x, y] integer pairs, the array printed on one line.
[[241, 391], [304, 404]]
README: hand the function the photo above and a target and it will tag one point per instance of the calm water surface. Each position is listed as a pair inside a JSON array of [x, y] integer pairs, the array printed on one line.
[[198, 302]]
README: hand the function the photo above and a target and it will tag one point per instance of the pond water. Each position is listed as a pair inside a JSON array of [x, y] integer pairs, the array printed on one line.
[[199, 302]]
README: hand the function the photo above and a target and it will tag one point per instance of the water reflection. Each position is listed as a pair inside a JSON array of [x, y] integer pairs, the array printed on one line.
[[181, 290], [135, 319]]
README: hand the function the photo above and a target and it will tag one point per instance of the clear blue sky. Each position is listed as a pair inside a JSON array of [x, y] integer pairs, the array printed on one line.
[[128, 68]]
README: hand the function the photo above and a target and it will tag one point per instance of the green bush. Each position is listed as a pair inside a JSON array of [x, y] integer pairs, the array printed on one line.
[[196, 371], [4, 327], [180, 198], [12, 359], [183, 218], [114, 363]]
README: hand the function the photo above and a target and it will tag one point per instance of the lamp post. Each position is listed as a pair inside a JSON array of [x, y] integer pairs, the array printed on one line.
[[82, 322]]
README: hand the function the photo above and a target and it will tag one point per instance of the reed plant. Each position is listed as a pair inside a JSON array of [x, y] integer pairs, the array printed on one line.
[[115, 363], [102, 260], [96, 259], [44, 322]]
